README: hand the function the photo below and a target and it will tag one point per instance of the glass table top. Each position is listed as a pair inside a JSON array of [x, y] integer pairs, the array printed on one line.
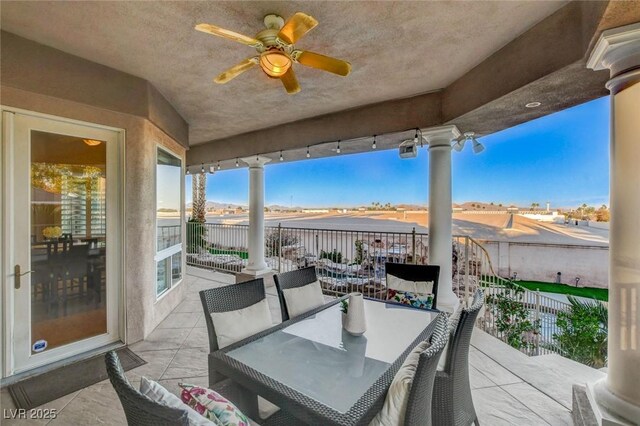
[[316, 357]]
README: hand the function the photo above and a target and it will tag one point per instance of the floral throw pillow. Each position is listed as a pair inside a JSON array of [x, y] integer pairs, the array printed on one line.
[[417, 300], [212, 405]]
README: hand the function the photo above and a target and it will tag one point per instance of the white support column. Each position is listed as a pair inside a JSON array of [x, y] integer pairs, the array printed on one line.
[[440, 211], [616, 399], [257, 265]]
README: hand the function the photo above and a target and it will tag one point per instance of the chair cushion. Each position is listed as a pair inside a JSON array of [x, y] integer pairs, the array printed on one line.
[[420, 287], [454, 318], [303, 299], [418, 294], [162, 396], [395, 404], [212, 405], [233, 326]]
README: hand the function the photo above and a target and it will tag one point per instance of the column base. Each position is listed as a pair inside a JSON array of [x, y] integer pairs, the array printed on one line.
[[449, 303], [607, 408], [256, 272]]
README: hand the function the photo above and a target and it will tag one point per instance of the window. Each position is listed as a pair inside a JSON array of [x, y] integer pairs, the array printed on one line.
[[169, 189]]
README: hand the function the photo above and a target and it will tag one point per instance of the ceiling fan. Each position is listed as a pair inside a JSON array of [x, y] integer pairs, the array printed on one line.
[[276, 50]]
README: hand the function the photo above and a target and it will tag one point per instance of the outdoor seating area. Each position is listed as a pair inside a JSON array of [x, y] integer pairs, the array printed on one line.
[[302, 238], [505, 386]]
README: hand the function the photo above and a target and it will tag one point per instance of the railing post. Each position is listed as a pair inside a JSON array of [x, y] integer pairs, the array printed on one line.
[[413, 246], [279, 247], [466, 269], [536, 319]]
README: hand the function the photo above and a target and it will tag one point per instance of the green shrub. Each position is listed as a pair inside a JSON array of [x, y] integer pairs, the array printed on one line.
[[334, 256], [583, 332], [512, 317]]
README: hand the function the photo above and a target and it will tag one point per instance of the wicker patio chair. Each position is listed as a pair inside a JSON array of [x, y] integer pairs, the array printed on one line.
[[452, 402], [409, 272], [292, 279], [420, 397], [139, 409], [224, 299]]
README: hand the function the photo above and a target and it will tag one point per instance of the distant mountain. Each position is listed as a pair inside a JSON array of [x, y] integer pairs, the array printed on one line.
[[478, 206]]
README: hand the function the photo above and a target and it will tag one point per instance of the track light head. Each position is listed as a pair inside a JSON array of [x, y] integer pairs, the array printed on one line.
[[459, 145], [237, 164], [477, 146], [308, 153], [338, 148], [281, 157], [373, 144]]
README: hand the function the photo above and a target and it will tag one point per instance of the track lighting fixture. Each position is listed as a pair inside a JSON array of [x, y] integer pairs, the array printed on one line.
[[373, 144], [308, 153], [338, 148], [188, 172], [281, 157], [218, 164], [202, 169], [212, 170], [237, 164]]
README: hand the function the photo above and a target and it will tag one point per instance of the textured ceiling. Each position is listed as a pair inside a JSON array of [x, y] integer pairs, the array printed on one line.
[[397, 49]]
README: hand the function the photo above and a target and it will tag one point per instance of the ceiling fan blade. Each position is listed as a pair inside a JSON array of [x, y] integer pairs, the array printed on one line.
[[321, 62], [236, 70], [231, 35], [297, 26], [290, 82]]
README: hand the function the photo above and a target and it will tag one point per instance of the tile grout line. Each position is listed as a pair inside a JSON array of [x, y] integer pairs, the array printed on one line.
[[524, 405]]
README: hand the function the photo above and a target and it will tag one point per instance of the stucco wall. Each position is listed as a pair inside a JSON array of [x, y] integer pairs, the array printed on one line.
[[541, 262], [143, 313]]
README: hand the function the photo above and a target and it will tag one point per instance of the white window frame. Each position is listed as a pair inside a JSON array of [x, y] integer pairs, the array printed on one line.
[[167, 253]]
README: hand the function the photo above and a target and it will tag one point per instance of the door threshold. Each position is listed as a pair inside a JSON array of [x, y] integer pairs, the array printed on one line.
[[6, 381]]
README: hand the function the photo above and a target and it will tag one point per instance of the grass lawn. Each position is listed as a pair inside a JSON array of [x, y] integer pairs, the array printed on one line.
[[242, 254], [594, 293]]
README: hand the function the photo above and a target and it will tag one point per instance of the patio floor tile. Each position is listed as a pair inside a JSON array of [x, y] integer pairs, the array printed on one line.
[[539, 403], [491, 369], [97, 404], [180, 320], [189, 306], [161, 338], [496, 407], [479, 380], [188, 362], [157, 363], [198, 338]]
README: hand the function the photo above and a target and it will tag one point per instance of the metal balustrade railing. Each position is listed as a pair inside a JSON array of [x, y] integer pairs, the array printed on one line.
[[349, 260]]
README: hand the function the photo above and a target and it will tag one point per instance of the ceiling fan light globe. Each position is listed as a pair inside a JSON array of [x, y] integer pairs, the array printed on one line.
[[275, 63]]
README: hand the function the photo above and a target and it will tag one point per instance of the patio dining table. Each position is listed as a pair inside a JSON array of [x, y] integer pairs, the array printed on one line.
[[319, 373]]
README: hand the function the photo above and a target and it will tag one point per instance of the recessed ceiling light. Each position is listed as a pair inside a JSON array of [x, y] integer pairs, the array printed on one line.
[[533, 105]]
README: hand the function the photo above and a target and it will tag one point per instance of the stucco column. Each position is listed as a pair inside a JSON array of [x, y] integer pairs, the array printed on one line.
[[257, 264], [440, 211], [617, 398]]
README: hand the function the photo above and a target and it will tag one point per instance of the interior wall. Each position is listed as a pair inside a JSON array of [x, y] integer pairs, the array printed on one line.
[[143, 312]]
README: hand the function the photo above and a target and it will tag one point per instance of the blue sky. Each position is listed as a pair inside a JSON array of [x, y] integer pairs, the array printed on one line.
[[562, 158]]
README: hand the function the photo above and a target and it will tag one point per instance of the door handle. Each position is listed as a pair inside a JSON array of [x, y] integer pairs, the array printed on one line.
[[18, 274]]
